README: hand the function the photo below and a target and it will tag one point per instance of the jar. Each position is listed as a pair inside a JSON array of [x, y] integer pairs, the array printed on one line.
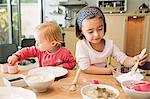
[[3, 68], [8, 68]]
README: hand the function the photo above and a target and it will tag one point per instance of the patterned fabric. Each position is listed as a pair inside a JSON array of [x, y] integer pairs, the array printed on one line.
[[83, 14]]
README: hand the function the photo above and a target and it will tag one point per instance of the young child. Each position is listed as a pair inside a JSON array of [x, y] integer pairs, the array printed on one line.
[[47, 48], [92, 50]]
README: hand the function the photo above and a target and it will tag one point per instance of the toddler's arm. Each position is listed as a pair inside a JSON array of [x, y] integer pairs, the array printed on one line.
[[69, 61], [22, 54]]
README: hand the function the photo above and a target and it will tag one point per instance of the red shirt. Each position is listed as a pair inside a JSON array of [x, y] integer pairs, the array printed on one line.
[[62, 56]]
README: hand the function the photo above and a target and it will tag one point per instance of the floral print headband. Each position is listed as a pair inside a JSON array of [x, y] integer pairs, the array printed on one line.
[[85, 13]]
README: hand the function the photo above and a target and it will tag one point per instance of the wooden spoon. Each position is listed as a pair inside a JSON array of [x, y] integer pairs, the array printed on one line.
[[136, 64], [73, 84]]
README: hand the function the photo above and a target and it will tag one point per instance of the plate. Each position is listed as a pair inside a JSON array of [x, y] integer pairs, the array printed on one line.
[[56, 71], [90, 92], [16, 93]]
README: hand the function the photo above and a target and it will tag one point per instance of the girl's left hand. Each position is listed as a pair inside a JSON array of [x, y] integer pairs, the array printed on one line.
[[110, 66]]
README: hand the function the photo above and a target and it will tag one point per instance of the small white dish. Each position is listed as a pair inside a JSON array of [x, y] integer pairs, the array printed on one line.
[[56, 71], [40, 82], [16, 93], [15, 80]]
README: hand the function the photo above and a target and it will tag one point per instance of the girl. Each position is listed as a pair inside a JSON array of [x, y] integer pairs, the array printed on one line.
[[92, 50], [47, 48]]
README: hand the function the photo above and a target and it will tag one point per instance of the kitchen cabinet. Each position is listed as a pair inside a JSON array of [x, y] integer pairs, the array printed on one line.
[[147, 40], [70, 39], [130, 32], [136, 35], [110, 6], [115, 27]]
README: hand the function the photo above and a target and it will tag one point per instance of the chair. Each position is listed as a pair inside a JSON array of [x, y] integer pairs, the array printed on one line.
[[63, 43], [6, 50], [27, 42]]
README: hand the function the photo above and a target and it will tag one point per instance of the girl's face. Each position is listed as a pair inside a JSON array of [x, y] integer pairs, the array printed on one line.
[[42, 43], [93, 30]]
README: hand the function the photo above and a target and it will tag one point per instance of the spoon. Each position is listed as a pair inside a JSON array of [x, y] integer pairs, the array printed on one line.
[[136, 64], [73, 84], [130, 75]]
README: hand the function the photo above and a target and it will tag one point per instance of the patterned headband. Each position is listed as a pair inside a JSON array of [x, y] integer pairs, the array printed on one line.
[[85, 13]]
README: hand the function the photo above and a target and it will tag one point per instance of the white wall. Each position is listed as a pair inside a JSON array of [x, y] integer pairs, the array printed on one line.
[[30, 16]]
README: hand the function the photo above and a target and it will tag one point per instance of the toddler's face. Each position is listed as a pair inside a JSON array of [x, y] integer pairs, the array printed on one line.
[[42, 43], [93, 29]]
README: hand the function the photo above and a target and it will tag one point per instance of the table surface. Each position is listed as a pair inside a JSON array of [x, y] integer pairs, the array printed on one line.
[[56, 92]]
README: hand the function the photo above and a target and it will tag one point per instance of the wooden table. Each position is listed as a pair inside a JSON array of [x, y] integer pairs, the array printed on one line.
[[56, 92]]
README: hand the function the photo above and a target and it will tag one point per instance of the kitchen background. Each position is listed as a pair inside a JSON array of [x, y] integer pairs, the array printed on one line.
[[63, 13], [18, 18]]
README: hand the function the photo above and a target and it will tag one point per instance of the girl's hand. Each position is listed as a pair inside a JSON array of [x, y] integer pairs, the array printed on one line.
[[12, 59], [142, 60], [110, 67]]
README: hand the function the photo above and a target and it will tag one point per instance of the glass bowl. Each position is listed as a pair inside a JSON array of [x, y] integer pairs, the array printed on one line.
[[66, 84], [123, 73], [146, 68]]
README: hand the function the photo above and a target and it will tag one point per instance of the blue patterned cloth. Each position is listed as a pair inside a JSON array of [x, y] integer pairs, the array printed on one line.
[[85, 13]]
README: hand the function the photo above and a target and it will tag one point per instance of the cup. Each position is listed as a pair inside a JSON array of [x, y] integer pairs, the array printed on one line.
[[13, 69], [4, 68]]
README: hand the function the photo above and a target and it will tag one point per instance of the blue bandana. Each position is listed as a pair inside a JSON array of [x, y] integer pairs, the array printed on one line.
[[85, 13]]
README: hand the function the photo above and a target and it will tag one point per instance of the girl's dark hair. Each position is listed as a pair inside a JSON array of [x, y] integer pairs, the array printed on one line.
[[78, 29]]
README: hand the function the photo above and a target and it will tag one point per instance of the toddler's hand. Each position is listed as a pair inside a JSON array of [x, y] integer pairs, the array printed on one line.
[[12, 59], [61, 65]]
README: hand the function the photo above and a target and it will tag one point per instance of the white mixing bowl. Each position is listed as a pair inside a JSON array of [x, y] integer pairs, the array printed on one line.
[[40, 82]]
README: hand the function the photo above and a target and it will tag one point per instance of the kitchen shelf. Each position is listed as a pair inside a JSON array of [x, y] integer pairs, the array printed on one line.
[[110, 6], [75, 3]]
